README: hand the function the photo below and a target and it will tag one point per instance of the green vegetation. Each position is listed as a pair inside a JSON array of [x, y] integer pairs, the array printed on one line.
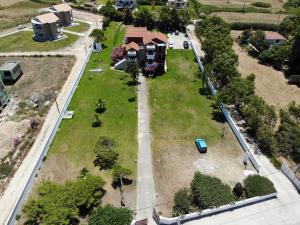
[[256, 185], [22, 42], [255, 26], [76, 138], [262, 4], [205, 192], [19, 13], [81, 27], [60, 203], [193, 111], [109, 215], [5, 170], [210, 192]]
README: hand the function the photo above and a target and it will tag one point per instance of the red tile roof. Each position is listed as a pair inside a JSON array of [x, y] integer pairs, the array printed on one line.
[[131, 45], [273, 35], [147, 36]]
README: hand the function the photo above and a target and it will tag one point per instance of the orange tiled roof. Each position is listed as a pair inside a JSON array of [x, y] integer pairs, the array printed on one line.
[[274, 35], [131, 45], [147, 36]]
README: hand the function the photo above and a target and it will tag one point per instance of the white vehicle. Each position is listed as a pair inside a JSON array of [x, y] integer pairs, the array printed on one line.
[[20, 27], [171, 44]]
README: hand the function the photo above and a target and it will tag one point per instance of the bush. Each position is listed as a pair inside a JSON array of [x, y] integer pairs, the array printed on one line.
[[238, 190], [96, 122], [5, 170], [209, 192], [256, 185], [276, 163], [262, 4], [254, 26], [183, 202]]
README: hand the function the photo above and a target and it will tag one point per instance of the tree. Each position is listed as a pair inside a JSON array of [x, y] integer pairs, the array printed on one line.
[[238, 190], [237, 92], [100, 106], [117, 54], [108, 10], [144, 18], [133, 69], [98, 34], [165, 23], [255, 185], [83, 172], [244, 37], [209, 192], [183, 202], [266, 140], [96, 122], [128, 17], [119, 174], [257, 38], [294, 58], [109, 215], [105, 156]]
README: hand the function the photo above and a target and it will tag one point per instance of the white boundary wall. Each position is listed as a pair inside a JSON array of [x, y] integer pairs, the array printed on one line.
[[229, 119], [291, 175], [209, 212]]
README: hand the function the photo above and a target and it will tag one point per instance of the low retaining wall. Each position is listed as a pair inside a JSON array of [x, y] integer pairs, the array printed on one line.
[[291, 175], [229, 119], [209, 212]]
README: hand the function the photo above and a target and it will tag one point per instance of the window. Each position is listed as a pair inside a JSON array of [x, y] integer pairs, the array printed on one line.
[[149, 61], [150, 52]]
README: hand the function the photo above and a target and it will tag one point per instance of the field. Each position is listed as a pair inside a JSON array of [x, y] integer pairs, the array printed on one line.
[[179, 115], [42, 79], [276, 4], [22, 42], [81, 27], [17, 12], [231, 17], [269, 83], [72, 148]]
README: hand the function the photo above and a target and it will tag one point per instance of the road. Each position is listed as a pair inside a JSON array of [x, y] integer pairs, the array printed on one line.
[[284, 210], [24, 172], [145, 181]]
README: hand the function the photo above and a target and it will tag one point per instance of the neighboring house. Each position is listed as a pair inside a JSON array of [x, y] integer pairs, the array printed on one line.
[[10, 71], [64, 13], [120, 4], [274, 38], [178, 4], [4, 98], [148, 48], [46, 27]]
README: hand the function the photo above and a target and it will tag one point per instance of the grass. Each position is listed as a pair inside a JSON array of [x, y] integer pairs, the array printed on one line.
[[76, 138], [177, 107], [22, 42], [81, 27], [17, 13]]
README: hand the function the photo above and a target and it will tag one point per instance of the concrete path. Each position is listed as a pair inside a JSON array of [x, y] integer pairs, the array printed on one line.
[[284, 210], [145, 181]]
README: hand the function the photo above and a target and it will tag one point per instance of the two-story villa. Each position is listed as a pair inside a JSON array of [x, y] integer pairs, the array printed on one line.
[[64, 12], [146, 47]]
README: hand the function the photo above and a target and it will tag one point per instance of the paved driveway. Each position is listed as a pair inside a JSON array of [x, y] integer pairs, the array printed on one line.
[[177, 40]]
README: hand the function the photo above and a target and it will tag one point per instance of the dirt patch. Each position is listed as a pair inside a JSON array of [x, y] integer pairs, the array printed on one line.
[[231, 17], [175, 163], [31, 97], [270, 84]]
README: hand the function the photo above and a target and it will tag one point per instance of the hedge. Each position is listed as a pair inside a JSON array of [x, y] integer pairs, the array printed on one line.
[[256, 185], [254, 26], [262, 4], [209, 192]]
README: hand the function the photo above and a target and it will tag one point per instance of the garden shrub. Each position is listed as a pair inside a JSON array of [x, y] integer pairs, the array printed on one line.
[[5, 170], [254, 26], [209, 192], [256, 185], [262, 4], [183, 202]]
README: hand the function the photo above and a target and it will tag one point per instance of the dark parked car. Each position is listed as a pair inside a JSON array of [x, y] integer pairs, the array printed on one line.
[[185, 44]]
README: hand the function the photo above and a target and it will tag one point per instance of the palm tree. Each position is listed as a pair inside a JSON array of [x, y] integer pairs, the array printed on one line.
[[98, 34]]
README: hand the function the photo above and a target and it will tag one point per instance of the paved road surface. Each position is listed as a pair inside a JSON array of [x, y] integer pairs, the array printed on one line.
[[17, 183], [285, 210], [145, 182]]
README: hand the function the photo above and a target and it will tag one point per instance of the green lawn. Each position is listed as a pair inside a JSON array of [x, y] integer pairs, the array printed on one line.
[[23, 42], [76, 137], [81, 27], [178, 110]]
